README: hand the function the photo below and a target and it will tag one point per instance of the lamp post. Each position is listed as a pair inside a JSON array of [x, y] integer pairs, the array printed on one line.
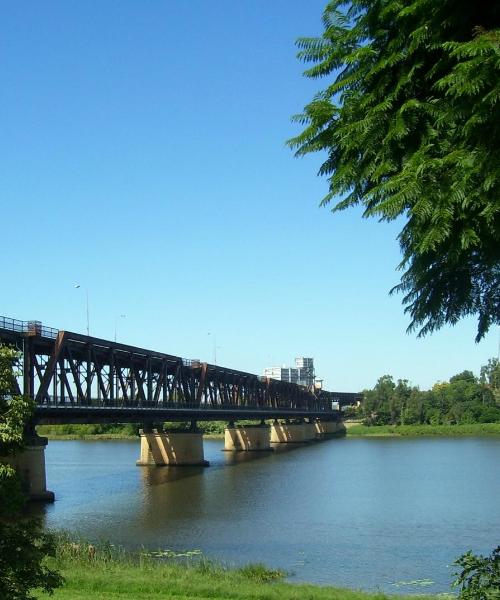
[[116, 322], [214, 337], [87, 307]]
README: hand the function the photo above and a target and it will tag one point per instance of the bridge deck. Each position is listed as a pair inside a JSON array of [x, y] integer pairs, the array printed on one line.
[[82, 379]]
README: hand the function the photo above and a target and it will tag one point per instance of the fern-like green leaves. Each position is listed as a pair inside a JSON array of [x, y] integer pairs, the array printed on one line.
[[410, 122]]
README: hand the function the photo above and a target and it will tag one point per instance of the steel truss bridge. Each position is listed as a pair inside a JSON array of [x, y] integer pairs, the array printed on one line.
[[75, 378]]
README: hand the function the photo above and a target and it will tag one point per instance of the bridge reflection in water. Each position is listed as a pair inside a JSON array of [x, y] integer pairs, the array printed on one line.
[[75, 378]]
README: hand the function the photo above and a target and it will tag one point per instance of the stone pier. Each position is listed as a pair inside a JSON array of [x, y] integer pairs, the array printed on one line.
[[329, 428], [291, 433], [30, 465], [310, 431], [247, 437], [171, 448]]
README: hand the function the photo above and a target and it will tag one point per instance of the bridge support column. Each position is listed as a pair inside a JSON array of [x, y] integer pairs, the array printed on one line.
[[310, 431], [247, 437], [171, 448], [30, 465], [329, 428], [290, 433]]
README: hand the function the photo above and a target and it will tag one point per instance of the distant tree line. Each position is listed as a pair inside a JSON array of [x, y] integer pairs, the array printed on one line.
[[123, 429], [465, 398]]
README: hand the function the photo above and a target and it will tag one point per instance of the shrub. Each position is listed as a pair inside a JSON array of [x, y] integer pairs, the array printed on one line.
[[480, 576]]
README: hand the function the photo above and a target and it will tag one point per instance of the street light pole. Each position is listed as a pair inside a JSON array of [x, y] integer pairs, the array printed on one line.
[[214, 337], [87, 307], [88, 318], [116, 322]]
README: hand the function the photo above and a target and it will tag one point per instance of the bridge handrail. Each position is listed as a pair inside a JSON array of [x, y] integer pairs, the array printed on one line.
[[28, 327]]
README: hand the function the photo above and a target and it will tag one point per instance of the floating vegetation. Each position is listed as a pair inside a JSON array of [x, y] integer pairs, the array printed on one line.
[[416, 582], [172, 553]]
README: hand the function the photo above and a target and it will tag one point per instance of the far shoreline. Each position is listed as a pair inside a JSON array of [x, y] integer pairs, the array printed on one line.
[[462, 430], [354, 430]]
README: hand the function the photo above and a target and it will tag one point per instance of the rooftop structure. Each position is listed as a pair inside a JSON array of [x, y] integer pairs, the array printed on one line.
[[301, 374]]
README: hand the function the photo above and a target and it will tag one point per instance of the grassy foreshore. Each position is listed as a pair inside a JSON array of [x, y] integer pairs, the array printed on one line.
[[85, 432], [110, 436], [114, 432], [472, 429], [103, 575]]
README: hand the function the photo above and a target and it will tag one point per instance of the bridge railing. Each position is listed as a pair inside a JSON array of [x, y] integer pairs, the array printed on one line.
[[28, 327], [52, 402]]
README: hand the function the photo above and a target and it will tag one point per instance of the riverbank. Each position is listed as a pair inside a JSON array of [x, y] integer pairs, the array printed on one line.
[[234, 510], [81, 432], [211, 430], [111, 436], [472, 429], [104, 574]]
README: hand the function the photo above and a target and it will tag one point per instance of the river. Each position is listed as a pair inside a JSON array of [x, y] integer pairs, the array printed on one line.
[[369, 513]]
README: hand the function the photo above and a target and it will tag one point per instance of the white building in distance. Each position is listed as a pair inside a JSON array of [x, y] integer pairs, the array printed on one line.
[[301, 374]]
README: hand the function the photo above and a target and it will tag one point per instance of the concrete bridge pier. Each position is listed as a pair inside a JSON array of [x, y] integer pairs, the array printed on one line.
[[291, 433], [329, 428], [171, 448], [30, 465], [247, 437], [310, 430]]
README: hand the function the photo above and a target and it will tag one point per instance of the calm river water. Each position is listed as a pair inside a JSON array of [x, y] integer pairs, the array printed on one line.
[[368, 513]]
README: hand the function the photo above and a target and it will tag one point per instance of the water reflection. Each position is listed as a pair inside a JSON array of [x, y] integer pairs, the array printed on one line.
[[170, 494], [361, 513], [292, 447], [160, 475], [238, 457]]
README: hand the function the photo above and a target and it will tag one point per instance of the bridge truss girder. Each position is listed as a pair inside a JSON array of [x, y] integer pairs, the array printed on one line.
[[77, 378]]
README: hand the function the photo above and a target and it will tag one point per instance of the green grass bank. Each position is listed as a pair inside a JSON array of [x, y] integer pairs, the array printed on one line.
[[472, 429], [215, 429], [129, 431], [106, 573]]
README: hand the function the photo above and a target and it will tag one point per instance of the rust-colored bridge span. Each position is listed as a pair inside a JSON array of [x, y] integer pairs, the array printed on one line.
[[76, 378]]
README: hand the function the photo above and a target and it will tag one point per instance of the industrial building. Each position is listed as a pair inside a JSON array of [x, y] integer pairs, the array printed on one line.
[[302, 373]]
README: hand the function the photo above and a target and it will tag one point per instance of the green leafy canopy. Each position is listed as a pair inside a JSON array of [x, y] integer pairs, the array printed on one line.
[[24, 545], [410, 122], [479, 578]]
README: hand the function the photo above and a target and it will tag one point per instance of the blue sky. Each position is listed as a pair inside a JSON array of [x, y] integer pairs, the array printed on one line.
[[143, 157]]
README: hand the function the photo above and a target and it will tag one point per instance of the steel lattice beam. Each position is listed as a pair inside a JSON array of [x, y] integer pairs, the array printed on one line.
[[78, 378]]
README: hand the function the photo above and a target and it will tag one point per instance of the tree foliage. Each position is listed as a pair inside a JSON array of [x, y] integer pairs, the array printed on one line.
[[479, 578], [23, 544], [464, 399], [490, 375], [410, 122]]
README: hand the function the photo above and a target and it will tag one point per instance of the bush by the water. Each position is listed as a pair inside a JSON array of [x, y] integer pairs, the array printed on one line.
[[479, 578]]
